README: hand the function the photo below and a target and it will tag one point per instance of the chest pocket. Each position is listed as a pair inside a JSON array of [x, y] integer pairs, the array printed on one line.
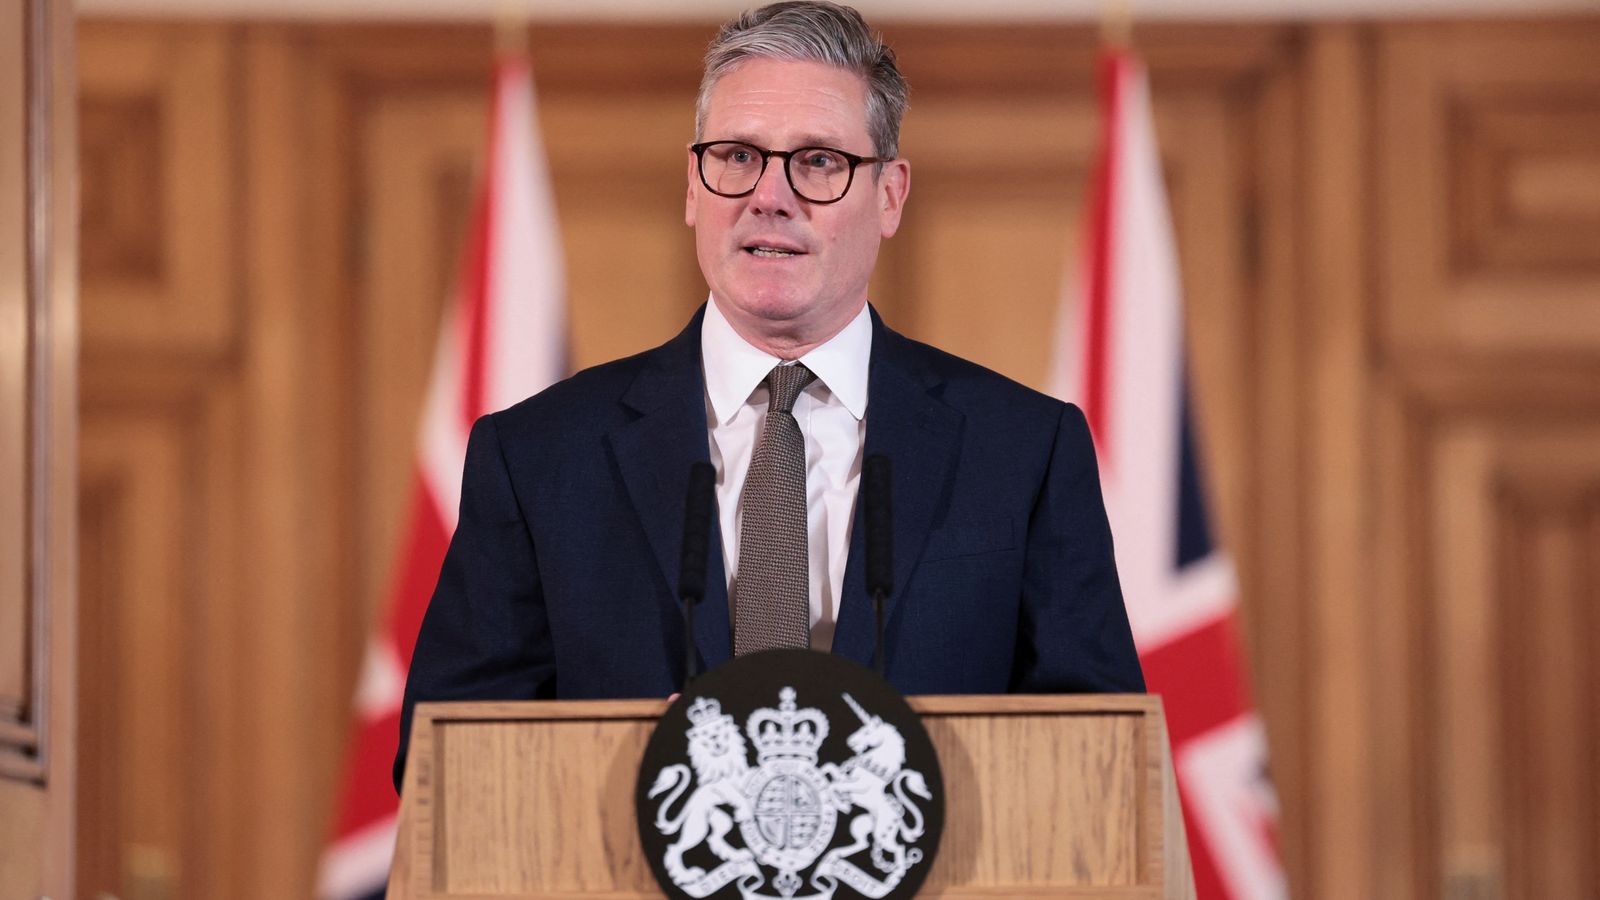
[[970, 537]]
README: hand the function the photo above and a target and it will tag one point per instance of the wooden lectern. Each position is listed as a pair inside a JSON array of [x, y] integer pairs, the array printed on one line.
[[1046, 796]]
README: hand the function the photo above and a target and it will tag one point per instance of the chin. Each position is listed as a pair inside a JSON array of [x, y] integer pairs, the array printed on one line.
[[772, 305]]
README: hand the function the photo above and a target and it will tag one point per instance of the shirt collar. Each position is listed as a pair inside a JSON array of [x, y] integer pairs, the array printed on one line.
[[734, 369]]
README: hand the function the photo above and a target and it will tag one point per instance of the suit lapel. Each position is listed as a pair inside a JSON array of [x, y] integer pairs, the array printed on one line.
[[920, 434], [654, 453]]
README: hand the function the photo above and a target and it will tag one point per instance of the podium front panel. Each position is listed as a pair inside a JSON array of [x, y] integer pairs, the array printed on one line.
[[1047, 796]]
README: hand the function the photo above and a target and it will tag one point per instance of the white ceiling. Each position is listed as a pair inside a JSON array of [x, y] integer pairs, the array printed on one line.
[[875, 10]]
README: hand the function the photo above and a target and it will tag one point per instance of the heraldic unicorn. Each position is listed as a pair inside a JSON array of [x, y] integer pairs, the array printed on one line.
[[786, 808]]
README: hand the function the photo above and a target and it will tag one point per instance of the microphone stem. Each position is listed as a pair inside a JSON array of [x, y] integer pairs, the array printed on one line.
[[688, 644], [877, 612]]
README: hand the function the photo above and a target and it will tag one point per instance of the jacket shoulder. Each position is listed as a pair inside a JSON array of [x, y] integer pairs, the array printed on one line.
[[581, 398], [973, 387]]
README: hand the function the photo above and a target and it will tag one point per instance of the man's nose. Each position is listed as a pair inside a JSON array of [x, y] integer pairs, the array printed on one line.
[[773, 196]]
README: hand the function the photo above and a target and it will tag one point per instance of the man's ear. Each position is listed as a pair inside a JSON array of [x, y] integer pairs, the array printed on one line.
[[893, 186], [693, 179]]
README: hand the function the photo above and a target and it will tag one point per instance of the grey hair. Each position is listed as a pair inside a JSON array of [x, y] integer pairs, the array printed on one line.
[[813, 31]]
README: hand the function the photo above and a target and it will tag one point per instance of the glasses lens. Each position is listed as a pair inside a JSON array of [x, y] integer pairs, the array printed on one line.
[[730, 168], [819, 174]]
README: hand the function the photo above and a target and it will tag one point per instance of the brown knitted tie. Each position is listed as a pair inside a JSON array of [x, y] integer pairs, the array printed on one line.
[[772, 594]]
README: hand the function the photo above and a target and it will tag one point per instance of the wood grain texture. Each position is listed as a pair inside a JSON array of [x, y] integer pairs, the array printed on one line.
[[573, 811], [1046, 796]]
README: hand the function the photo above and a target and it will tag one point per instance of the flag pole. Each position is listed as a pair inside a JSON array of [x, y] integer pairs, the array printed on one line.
[[511, 30], [1116, 24]]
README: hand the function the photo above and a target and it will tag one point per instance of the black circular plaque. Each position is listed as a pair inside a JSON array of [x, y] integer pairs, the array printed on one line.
[[791, 775]]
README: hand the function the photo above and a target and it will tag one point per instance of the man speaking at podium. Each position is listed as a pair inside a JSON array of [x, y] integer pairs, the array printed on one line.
[[561, 580]]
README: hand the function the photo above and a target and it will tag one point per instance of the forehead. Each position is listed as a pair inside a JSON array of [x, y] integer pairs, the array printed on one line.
[[782, 102]]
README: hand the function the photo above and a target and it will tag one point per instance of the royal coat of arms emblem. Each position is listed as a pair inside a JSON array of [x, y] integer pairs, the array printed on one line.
[[790, 826]]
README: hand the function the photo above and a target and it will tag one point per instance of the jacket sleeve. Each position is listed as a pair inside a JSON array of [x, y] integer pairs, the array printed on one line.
[[485, 635], [1073, 635]]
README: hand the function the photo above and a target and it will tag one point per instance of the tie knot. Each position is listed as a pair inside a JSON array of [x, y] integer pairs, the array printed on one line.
[[785, 384]]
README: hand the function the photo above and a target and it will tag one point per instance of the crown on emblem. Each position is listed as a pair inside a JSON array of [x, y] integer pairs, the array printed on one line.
[[786, 732], [706, 715], [704, 710]]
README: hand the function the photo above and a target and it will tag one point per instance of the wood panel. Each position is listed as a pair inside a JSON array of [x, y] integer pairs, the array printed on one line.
[[157, 155], [1491, 227], [295, 552], [1504, 505], [156, 471], [1338, 688], [1487, 388], [38, 347], [1547, 508], [161, 488], [133, 500], [1275, 626]]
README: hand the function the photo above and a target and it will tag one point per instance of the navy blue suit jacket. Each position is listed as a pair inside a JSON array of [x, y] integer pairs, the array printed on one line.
[[561, 580]]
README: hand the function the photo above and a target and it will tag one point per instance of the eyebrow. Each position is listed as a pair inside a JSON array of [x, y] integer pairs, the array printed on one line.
[[810, 140]]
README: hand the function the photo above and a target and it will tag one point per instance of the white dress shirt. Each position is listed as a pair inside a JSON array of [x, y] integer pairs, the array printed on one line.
[[832, 413]]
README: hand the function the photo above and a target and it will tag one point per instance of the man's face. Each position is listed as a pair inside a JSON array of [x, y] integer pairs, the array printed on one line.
[[811, 293]]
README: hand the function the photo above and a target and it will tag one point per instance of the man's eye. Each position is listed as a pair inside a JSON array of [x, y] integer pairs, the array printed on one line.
[[741, 156], [822, 161]]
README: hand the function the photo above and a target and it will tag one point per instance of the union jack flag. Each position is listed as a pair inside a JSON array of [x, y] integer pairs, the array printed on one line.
[[504, 338], [1125, 366]]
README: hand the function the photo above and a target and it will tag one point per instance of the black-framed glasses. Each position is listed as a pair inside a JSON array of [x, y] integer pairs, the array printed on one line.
[[817, 174]]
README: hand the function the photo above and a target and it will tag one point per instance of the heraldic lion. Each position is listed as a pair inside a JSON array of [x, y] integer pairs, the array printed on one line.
[[721, 770]]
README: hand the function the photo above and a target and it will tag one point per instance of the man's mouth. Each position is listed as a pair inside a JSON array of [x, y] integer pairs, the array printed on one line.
[[769, 252]]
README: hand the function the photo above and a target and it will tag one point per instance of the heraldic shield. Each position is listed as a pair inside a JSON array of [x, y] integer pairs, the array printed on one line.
[[790, 775]]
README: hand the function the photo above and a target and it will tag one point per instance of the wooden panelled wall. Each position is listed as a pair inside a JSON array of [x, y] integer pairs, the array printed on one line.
[[1391, 248]]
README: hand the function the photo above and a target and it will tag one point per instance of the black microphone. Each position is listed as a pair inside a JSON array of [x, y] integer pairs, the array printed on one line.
[[879, 516], [696, 542]]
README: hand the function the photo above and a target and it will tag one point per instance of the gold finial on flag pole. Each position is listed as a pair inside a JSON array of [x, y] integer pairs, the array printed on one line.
[[511, 29], [1116, 23]]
